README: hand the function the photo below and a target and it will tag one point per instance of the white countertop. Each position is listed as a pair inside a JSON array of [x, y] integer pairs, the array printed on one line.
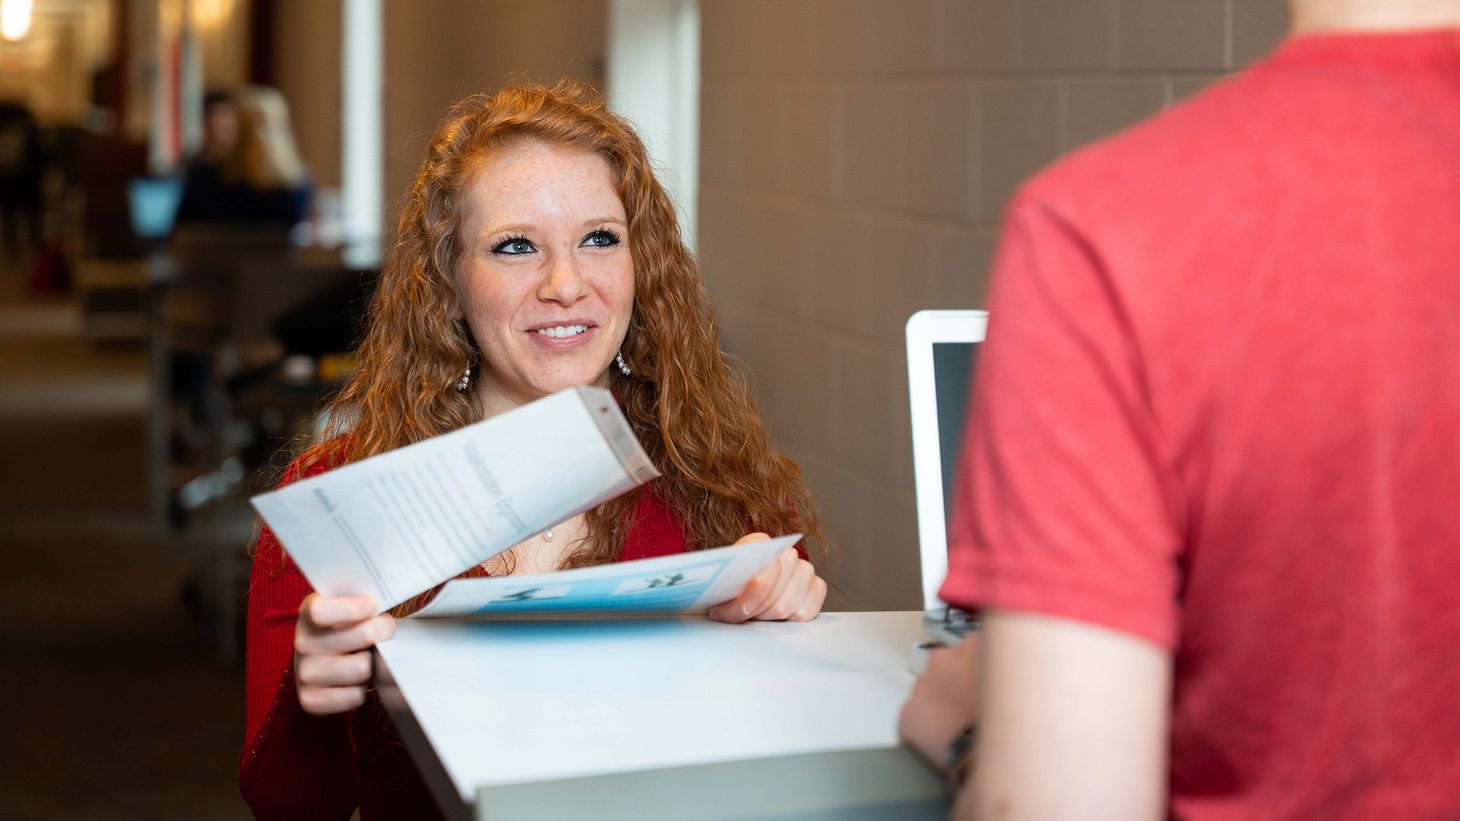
[[512, 702]]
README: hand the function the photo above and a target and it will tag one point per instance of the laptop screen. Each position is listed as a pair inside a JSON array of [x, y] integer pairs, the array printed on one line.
[[953, 364], [942, 352]]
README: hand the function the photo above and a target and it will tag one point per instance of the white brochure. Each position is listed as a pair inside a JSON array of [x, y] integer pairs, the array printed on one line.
[[679, 584], [402, 522]]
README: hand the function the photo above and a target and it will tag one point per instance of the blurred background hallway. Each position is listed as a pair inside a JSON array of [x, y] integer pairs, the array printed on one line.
[[116, 701]]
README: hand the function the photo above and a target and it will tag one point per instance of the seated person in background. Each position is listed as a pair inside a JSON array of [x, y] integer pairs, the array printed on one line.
[[259, 178], [1208, 501], [220, 130], [536, 252]]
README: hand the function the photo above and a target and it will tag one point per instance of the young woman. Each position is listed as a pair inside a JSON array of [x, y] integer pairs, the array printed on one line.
[[536, 252]]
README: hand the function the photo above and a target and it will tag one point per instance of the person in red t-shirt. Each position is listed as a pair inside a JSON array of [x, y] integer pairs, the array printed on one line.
[[536, 252], [1208, 503]]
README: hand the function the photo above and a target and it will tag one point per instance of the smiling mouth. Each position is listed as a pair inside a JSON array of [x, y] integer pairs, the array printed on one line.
[[560, 331]]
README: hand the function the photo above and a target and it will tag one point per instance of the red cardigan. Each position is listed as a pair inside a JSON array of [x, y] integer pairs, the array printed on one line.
[[295, 765]]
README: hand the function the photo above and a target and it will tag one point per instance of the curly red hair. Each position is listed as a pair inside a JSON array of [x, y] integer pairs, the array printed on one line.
[[687, 403]]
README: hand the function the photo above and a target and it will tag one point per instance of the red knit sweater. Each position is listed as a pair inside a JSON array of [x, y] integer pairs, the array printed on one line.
[[295, 765]]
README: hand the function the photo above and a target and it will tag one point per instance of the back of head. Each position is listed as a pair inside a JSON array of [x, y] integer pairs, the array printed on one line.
[[265, 156]]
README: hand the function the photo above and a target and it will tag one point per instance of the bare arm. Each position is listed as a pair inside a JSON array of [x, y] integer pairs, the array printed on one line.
[[944, 701], [1074, 722]]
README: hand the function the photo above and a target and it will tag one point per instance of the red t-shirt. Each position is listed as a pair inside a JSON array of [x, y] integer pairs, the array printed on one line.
[[1219, 410], [295, 765]]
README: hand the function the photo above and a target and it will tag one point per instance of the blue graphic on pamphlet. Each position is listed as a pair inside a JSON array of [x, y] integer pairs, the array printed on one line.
[[669, 591]]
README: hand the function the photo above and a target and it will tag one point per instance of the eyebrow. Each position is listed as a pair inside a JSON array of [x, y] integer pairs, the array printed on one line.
[[524, 227]]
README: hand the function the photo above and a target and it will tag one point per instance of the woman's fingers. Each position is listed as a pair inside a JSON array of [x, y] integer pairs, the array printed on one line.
[[787, 589], [324, 612], [332, 684], [332, 663], [347, 639], [792, 594], [323, 701], [787, 560], [811, 608], [333, 671], [758, 593], [339, 624]]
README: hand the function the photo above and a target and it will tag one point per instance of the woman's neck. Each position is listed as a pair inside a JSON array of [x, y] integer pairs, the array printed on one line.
[[1314, 16], [491, 398]]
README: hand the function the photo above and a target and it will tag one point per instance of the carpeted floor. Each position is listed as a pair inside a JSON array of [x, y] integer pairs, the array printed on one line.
[[117, 701]]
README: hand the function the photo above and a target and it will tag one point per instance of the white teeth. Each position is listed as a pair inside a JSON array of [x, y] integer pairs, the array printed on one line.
[[563, 330]]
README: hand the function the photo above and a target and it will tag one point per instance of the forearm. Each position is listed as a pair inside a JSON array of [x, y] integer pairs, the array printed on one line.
[[1073, 723]]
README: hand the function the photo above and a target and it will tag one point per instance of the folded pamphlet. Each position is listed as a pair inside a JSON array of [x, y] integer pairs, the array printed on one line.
[[402, 522], [682, 583], [399, 523]]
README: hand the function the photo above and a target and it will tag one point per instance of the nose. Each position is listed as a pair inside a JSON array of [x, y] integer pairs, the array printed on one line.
[[562, 283]]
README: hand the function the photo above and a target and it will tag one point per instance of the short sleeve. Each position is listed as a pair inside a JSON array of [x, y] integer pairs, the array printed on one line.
[[1065, 502]]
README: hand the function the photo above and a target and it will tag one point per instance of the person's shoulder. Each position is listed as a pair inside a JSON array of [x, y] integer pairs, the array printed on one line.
[[1217, 152], [316, 459], [1168, 142], [1239, 130]]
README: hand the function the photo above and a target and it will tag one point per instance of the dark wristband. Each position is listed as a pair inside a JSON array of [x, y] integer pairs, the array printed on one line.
[[959, 756]]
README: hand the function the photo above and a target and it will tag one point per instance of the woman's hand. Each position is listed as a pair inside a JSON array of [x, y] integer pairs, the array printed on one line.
[[787, 589], [332, 642]]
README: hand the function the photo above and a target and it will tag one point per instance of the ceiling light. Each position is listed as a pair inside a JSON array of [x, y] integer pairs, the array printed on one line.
[[14, 18]]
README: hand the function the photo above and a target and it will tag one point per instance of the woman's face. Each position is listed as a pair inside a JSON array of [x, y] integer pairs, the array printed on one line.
[[546, 277]]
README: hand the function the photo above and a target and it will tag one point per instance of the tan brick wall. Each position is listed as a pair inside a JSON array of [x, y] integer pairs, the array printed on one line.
[[856, 156], [437, 51]]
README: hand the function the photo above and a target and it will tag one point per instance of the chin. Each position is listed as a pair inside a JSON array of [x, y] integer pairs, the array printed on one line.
[[565, 381]]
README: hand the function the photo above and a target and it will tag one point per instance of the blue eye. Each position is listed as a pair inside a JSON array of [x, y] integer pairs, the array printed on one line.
[[513, 246], [602, 238]]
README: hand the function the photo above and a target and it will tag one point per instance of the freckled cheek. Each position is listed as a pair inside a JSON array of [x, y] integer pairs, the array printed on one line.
[[493, 312], [615, 286]]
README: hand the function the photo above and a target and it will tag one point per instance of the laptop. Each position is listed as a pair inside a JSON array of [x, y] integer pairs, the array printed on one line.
[[942, 352]]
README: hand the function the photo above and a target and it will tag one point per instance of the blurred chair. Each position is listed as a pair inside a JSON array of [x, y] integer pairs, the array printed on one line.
[[228, 319], [112, 277], [106, 166]]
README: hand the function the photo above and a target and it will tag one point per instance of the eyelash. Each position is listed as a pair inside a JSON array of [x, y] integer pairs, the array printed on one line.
[[612, 235], [606, 232], [515, 238]]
